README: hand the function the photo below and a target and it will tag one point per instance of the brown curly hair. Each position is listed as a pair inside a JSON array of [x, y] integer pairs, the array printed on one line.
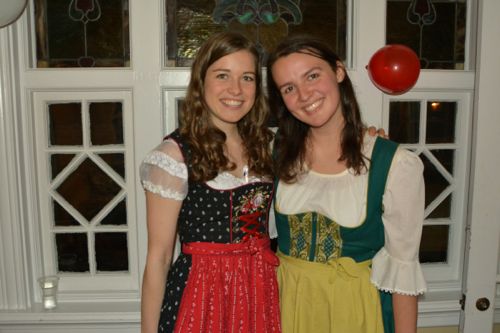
[[206, 142]]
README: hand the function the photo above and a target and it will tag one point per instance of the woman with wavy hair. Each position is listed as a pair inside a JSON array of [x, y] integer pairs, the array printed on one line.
[[210, 182], [349, 207]]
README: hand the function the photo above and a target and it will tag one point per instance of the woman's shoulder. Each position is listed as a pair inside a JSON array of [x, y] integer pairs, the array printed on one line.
[[402, 155], [175, 135], [407, 158], [170, 148]]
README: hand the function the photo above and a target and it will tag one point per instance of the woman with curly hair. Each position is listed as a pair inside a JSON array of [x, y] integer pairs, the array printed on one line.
[[210, 182]]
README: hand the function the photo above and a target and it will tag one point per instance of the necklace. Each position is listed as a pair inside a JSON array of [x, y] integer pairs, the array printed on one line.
[[245, 173]]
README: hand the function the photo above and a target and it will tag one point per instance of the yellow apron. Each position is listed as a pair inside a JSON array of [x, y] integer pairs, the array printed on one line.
[[335, 297]]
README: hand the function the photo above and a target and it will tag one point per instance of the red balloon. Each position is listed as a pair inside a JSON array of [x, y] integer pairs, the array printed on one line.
[[394, 69]]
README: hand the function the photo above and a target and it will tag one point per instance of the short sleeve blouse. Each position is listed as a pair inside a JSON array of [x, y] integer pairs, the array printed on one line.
[[164, 172]]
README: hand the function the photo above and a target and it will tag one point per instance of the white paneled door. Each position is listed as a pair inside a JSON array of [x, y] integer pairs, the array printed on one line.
[[149, 92], [482, 250]]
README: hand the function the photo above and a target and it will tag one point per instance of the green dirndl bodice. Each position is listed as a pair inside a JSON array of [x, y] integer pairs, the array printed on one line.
[[313, 237]]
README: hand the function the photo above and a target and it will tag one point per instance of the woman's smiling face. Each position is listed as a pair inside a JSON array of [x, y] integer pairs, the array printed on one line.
[[309, 88], [230, 88]]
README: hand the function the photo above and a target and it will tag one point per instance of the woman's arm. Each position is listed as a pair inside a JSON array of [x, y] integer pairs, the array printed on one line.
[[162, 217], [396, 266], [405, 313]]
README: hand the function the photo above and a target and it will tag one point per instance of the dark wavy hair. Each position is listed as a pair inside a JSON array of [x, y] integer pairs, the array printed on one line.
[[291, 142], [206, 141]]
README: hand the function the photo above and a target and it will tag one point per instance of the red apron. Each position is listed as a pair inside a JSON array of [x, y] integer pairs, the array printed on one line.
[[230, 288]]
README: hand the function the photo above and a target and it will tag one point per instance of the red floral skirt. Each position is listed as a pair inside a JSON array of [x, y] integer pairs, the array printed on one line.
[[230, 288]]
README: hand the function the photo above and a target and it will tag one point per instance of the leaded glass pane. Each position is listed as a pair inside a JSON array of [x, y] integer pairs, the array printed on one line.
[[434, 29], [190, 22], [58, 162], [65, 124], [116, 161], [443, 210], [404, 121], [118, 216], [441, 118], [82, 33], [446, 157], [111, 251], [88, 189], [434, 244], [62, 218], [106, 123], [72, 252]]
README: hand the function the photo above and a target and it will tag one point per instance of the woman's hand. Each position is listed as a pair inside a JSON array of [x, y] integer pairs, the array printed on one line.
[[373, 131]]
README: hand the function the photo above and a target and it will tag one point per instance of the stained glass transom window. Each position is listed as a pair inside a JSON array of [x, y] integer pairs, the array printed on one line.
[[189, 23], [434, 29], [82, 33]]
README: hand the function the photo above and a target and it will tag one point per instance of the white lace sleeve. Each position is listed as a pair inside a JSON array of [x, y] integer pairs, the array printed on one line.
[[396, 268], [163, 171]]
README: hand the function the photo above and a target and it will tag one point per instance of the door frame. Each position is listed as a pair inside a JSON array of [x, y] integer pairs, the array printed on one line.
[[480, 275]]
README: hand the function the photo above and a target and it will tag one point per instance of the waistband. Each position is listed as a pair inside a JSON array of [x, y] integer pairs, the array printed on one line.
[[344, 265], [251, 246]]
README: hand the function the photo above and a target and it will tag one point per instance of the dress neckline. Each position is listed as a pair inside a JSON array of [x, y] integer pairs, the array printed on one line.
[[329, 175]]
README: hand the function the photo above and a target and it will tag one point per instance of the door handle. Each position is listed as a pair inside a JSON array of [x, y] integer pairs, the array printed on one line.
[[482, 304]]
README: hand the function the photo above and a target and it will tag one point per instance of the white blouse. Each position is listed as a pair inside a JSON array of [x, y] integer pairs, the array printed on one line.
[[343, 198], [164, 172]]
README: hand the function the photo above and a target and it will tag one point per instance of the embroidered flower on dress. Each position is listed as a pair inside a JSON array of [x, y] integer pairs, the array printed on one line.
[[249, 214], [255, 200]]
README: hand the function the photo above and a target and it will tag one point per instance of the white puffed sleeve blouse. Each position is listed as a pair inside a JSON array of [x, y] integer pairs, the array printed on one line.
[[343, 198], [164, 172]]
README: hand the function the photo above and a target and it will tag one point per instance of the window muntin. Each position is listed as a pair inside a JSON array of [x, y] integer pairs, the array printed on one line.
[[433, 125], [87, 191]]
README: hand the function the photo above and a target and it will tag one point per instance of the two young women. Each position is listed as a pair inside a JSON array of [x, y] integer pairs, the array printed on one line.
[[341, 199]]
